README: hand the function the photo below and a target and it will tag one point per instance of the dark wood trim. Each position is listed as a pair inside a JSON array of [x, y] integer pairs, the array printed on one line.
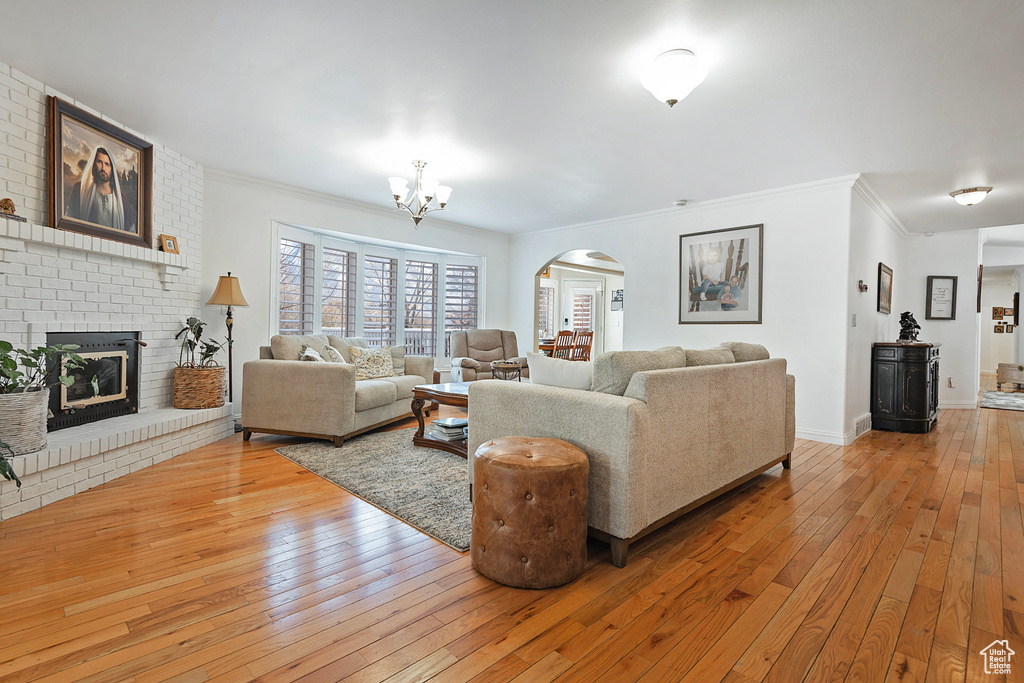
[[620, 546], [337, 439]]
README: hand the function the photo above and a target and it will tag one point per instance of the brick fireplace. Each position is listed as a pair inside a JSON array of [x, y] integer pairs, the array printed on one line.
[[54, 281]]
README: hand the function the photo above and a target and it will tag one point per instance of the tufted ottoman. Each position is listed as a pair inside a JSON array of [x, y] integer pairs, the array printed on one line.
[[529, 511]]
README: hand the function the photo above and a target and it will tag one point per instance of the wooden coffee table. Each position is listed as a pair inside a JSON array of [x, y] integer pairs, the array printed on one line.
[[452, 394]]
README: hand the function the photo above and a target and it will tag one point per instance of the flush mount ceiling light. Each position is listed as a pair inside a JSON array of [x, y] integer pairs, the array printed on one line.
[[970, 196], [673, 75], [421, 202]]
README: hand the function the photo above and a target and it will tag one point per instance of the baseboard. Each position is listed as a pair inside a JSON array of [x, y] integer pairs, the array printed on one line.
[[958, 406], [823, 437]]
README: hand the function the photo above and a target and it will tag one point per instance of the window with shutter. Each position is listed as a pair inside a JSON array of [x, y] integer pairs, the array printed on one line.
[[339, 292], [296, 287], [582, 312], [460, 301], [546, 312], [420, 308], [380, 300]]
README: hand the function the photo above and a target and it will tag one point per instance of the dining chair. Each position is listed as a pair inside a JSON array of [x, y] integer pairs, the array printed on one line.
[[563, 345], [581, 345]]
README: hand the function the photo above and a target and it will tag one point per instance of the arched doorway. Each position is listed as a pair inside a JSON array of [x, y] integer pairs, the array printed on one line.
[[580, 289]]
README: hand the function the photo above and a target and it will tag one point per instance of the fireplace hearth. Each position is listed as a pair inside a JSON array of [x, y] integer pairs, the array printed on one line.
[[106, 386]]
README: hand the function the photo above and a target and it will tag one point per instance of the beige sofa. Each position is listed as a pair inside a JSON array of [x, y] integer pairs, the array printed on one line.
[[474, 350], [283, 395], [665, 430]]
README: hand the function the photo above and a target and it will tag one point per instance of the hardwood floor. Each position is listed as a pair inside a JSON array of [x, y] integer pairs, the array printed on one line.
[[896, 558]]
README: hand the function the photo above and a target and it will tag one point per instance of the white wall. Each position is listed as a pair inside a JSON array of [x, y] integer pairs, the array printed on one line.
[[997, 348], [237, 236], [873, 240], [806, 241], [949, 253]]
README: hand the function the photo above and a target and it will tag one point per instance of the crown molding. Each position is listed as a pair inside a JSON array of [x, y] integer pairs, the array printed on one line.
[[842, 182], [239, 180], [868, 194]]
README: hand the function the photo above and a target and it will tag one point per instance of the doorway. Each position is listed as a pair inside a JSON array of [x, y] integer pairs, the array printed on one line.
[[581, 290]]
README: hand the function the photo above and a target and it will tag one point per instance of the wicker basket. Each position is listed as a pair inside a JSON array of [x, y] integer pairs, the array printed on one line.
[[23, 421], [196, 388]]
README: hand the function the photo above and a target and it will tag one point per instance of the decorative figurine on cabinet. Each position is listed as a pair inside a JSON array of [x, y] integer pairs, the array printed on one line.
[[908, 327]]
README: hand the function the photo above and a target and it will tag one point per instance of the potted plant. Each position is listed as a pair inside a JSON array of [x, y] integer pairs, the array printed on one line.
[[198, 379], [25, 377]]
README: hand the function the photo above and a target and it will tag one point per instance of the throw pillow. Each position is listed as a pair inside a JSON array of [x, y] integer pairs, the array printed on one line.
[[614, 369], [372, 363], [716, 355], [342, 344], [332, 355], [309, 353], [556, 372], [398, 360]]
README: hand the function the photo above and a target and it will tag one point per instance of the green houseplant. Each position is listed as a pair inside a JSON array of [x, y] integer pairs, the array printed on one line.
[[198, 379], [25, 377]]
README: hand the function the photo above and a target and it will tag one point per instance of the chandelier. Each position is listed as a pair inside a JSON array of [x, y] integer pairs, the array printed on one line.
[[421, 201]]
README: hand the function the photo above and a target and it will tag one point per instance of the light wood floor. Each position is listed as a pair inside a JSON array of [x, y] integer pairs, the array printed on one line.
[[896, 558]]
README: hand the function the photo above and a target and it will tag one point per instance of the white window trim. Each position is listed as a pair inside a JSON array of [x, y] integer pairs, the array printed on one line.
[[319, 240]]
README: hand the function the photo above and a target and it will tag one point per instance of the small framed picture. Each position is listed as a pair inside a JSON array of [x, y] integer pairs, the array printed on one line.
[[997, 312], [1009, 329], [169, 243], [941, 301], [1000, 329], [884, 288], [1008, 312]]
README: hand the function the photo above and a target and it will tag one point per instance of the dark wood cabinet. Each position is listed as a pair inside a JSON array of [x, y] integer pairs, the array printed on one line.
[[904, 386]]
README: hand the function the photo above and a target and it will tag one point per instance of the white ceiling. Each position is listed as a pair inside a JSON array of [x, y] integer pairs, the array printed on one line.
[[533, 111]]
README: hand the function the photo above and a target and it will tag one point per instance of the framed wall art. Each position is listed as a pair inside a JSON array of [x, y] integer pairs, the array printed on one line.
[[884, 288], [941, 301], [100, 176], [169, 243], [1000, 329], [1009, 329], [720, 278], [997, 312]]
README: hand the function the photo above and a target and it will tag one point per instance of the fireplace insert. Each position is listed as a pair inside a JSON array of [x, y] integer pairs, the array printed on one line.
[[107, 385]]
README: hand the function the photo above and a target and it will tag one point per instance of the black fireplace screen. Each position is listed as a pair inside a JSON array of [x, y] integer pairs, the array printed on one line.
[[107, 384]]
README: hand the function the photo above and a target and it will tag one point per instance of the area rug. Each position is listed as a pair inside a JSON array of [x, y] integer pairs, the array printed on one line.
[[424, 487], [1002, 400]]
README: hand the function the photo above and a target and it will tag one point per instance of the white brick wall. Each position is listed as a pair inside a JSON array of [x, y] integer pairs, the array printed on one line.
[[53, 280]]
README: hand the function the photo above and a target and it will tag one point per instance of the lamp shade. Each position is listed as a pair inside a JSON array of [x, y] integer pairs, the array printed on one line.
[[228, 293]]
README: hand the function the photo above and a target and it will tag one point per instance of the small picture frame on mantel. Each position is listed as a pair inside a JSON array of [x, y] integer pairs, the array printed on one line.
[[169, 243], [941, 301]]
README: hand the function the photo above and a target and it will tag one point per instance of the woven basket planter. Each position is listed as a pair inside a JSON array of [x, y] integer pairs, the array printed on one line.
[[196, 388], [23, 421]]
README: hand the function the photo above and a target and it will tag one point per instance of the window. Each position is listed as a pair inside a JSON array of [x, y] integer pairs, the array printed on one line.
[[421, 308], [389, 296], [339, 293], [460, 301], [380, 300], [583, 312], [296, 274], [546, 312]]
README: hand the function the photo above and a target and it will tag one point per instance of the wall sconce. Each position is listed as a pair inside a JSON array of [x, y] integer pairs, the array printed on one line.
[[861, 286]]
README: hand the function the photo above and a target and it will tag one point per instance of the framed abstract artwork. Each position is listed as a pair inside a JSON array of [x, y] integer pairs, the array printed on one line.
[[884, 288], [100, 176], [720, 276]]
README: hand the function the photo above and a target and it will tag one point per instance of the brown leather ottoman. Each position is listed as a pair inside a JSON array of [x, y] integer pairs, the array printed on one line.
[[529, 511]]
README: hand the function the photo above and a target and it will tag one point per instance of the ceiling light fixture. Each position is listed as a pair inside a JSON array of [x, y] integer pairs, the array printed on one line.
[[970, 196], [427, 190], [673, 75]]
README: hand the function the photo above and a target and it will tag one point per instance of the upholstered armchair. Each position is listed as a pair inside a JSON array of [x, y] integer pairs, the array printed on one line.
[[473, 351]]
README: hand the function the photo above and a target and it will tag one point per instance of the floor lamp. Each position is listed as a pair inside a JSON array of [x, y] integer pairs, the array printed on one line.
[[229, 294]]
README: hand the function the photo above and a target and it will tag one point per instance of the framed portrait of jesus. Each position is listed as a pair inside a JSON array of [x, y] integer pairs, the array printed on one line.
[[100, 176]]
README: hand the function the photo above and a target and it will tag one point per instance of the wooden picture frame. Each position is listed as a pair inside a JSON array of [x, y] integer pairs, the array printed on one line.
[[1009, 329], [941, 299], [100, 177], [720, 276], [169, 243], [884, 288], [1000, 329], [997, 312]]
